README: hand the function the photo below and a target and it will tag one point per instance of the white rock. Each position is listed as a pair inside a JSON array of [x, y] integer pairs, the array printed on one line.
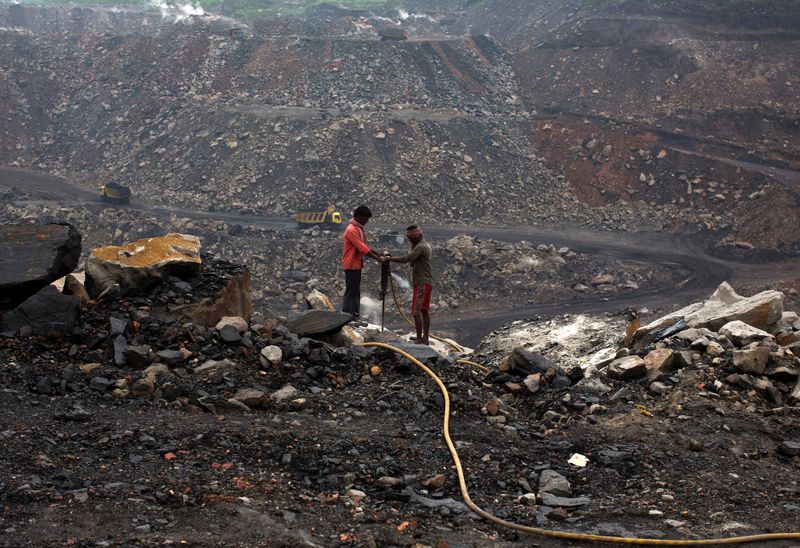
[[531, 382], [239, 323], [271, 355], [288, 392], [741, 334], [724, 306]]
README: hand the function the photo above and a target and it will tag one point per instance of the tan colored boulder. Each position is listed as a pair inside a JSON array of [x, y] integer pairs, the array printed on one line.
[[138, 266], [725, 305]]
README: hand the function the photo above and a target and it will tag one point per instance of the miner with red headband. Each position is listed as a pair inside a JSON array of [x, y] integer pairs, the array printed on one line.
[[419, 258]]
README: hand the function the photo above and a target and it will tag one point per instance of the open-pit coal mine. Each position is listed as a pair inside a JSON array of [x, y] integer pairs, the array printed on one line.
[[610, 190]]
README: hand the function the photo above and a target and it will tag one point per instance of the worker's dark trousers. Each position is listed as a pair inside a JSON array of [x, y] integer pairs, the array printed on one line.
[[352, 292]]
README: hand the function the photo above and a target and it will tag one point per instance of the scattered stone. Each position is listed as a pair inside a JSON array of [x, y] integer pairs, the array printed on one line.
[[318, 301], [230, 334], [318, 322], [660, 359], [389, 482], [171, 357], [138, 356], [233, 299], [752, 360], [212, 366], [288, 392], [724, 306], [271, 355], [527, 362], [236, 322], [659, 388], [435, 482], [603, 279], [563, 502], [553, 483], [251, 397], [627, 368], [531, 382], [117, 326], [741, 334], [73, 286], [101, 384]]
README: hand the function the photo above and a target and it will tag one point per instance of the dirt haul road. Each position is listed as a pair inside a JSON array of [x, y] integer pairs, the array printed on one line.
[[695, 273]]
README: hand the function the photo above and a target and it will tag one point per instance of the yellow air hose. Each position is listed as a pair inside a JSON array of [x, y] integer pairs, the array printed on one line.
[[451, 344], [547, 532]]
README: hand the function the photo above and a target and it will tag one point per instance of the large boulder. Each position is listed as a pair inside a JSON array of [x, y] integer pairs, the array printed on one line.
[[762, 311], [141, 265], [48, 312], [33, 256]]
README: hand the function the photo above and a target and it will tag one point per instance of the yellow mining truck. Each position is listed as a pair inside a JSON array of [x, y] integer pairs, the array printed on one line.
[[115, 193], [330, 218]]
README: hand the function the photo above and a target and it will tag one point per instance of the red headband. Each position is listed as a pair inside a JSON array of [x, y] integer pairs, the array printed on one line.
[[415, 233]]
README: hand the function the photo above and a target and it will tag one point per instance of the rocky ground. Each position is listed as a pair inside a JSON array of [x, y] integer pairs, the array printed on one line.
[[245, 433], [473, 275]]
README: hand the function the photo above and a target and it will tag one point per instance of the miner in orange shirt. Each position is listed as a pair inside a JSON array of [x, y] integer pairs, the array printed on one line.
[[355, 247]]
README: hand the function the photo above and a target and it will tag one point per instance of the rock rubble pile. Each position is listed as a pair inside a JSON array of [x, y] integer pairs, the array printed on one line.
[[167, 425]]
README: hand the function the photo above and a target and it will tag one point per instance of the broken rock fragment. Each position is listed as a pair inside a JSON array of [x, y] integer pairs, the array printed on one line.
[[627, 368], [752, 360], [553, 483], [741, 334], [48, 312]]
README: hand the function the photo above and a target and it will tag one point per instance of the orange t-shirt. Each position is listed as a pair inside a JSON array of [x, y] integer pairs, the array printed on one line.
[[355, 246]]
